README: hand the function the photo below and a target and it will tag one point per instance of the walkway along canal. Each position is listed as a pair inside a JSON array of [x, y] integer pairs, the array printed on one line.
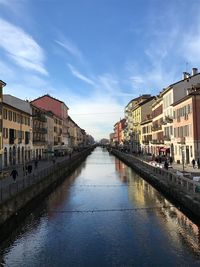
[[104, 214]]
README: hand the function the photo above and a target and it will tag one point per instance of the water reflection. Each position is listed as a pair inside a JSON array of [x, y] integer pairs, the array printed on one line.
[[181, 229], [134, 225]]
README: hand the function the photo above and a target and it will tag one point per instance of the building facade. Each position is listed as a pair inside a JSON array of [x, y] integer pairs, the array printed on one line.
[[17, 131], [186, 137]]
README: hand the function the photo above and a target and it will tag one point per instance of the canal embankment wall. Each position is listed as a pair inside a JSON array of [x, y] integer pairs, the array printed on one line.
[[29, 193], [182, 191]]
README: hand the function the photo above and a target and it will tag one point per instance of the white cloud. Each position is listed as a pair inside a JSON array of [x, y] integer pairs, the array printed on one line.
[[71, 48], [21, 47], [79, 75], [96, 114]]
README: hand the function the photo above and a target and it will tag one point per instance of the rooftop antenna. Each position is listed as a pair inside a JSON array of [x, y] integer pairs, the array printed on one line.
[[186, 66]]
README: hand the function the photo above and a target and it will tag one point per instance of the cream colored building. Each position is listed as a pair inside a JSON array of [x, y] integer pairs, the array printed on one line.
[[157, 143], [146, 135], [140, 112], [17, 131]]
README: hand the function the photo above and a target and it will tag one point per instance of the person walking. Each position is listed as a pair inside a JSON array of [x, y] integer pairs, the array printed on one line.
[[198, 163], [166, 165], [14, 174], [36, 164], [193, 163]]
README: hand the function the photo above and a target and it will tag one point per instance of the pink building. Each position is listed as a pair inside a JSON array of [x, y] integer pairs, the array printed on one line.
[[119, 131], [186, 139], [58, 108]]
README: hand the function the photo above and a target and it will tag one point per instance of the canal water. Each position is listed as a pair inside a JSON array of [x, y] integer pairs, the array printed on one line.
[[104, 214]]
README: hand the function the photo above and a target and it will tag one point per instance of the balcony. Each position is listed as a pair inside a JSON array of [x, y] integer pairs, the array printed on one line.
[[167, 138], [156, 128], [145, 142], [181, 140], [156, 141], [39, 129], [168, 119], [39, 141]]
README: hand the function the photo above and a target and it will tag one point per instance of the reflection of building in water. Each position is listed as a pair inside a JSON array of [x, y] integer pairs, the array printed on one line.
[[170, 219], [187, 231], [120, 168], [141, 193], [60, 194]]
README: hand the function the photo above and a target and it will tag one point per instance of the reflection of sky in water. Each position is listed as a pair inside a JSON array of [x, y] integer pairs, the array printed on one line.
[[153, 233]]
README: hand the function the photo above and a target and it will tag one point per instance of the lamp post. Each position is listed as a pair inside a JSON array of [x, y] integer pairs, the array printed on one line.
[[183, 157]]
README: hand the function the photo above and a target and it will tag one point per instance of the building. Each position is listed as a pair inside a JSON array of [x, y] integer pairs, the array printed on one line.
[[146, 135], [2, 84], [132, 122], [60, 110], [170, 95], [186, 126], [141, 110], [17, 131], [39, 132], [157, 143], [119, 132]]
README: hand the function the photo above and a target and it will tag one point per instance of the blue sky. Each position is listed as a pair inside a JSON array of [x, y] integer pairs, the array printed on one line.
[[96, 55]]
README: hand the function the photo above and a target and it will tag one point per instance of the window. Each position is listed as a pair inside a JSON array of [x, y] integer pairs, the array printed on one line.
[[18, 118], [5, 132], [14, 117], [5, 114], [10, 115], [191, 154]]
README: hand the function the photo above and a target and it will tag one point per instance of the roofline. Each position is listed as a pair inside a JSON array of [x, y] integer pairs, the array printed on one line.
[[21, 111], [2, 83], [50, 97], [165, 90], [185, 98], [144, 102]]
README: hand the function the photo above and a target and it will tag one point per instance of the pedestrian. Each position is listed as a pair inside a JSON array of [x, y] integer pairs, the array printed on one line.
[[193, 163], [25, 170], [53, 160], [29, 169], [198, 163], [36, 164], [14, 174], [166, 164]]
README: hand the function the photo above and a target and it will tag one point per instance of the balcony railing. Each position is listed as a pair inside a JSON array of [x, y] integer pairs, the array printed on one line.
[[181, 140], [167, 138], [156, 141], [156, 128]]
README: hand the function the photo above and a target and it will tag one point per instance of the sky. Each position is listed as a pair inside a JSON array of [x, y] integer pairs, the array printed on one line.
[[96, 55]]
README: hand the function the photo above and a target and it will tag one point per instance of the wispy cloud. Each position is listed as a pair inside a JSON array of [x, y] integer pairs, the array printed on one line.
[[70, 48], [79, 75], [21, 48]]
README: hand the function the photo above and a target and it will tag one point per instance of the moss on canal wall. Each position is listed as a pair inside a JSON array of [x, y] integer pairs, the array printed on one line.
[[15, 209], [188, 203]]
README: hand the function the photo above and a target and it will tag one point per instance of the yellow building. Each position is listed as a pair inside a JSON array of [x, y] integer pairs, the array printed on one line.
[[140, 112], [2, 84], [17, 131]]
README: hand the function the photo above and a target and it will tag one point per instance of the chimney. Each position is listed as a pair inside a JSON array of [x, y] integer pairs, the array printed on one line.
[[194, 71], [185, 75]]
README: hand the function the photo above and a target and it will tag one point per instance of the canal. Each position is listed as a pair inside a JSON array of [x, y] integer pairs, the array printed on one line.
[[104, 214]]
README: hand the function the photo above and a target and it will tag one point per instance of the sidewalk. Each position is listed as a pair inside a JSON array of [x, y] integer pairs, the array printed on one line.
[[175, 167], [187, 168], [42, 164]]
